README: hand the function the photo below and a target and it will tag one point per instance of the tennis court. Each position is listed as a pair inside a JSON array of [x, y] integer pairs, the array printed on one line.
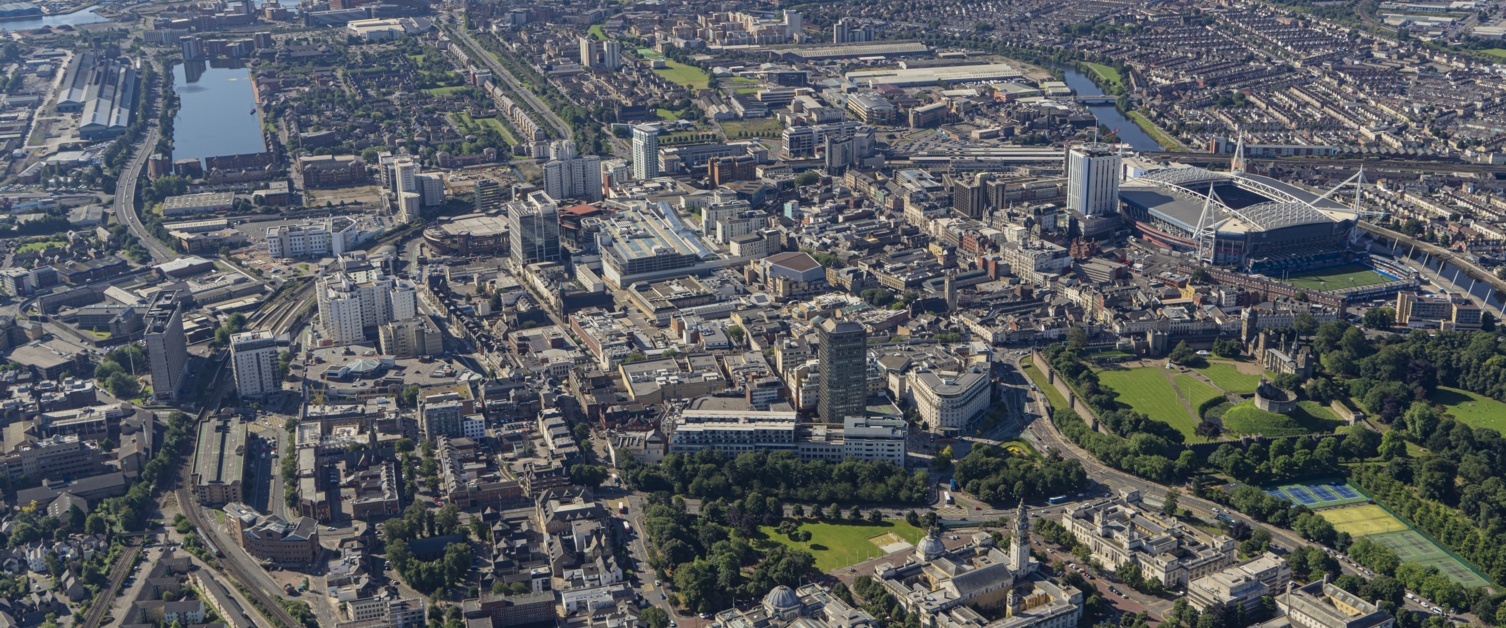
[[1416, 548], [1319, 494], [1372, 522], [1363, 520]]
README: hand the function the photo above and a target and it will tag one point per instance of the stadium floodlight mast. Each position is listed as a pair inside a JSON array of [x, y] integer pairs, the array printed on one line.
[[1206, 234]]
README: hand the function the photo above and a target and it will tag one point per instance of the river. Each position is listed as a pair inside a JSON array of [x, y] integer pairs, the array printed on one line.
[[1107, 115], [215, 115], [76, 18]]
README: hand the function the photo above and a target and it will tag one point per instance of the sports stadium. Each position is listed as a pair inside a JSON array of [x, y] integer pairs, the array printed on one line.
[[1253, 223]]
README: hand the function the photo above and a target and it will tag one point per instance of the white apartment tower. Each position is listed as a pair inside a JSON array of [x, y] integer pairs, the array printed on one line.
[[604, 55], [568, 175], [1093, 180], [645, 151], [352, 302], [253, 358]]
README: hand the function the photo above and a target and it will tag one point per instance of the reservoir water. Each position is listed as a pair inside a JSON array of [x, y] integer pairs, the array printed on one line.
[[215, 115], [1107, 115], [76, 18]]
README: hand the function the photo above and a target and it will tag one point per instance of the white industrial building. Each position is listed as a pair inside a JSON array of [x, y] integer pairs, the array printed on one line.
[[334, 236], [738, 431]]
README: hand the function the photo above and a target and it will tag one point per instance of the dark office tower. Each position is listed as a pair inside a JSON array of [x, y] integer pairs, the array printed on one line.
[[166, 345], [844, 370]]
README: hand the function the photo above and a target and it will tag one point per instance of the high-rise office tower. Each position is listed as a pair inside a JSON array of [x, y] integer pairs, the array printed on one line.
[[844, 370], [166, 345], [534, 227], [1093, 180], [253, 358], [645, 151], [488, 195]]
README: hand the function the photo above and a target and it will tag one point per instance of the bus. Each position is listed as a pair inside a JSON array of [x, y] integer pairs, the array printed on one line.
[[954, 484], [627, 527], [947, 495], [621, 508], [1057, 500]]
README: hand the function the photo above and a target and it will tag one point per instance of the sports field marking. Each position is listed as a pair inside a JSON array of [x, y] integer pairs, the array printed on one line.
[[885, 539], [1301, 495], [1363, 520], [1347, 276], [1318, 494]]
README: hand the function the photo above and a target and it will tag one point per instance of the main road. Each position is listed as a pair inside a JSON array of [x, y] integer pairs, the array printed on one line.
[[530, 98], [125, 196]]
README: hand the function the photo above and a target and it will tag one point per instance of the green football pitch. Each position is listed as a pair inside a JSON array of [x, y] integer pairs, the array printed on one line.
[[1348, 276]]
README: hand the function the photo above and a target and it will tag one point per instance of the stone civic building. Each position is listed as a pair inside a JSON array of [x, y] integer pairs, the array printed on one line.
[[956, 588], [1117, 532]]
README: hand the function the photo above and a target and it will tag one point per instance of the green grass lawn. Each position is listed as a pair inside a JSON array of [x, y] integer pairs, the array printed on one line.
[[444, 91], [31, 247], [687, 75], [1196, 392], [596, 32], [496, 125], [1470, 408], [743, 80], [837, 545], [1107, 73], [1308, 418], [767, 127], [1495, 52], [1226, 375], [1335, 278], [1058, 402], [1147, 391], [665, 114], [1161, 137]]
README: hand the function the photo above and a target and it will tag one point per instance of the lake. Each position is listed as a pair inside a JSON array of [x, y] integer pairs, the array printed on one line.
[[1107, 115], [215, 114], [76, 18]]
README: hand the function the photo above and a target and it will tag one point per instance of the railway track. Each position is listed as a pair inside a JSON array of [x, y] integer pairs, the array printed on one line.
[[106, 597]]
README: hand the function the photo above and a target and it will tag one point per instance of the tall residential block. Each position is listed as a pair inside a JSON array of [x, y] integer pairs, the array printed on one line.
[[645, 151], [166, 345], [604, 55], [844, 370], [253, 358], [1093, 180], [569, 175], [351, 303]]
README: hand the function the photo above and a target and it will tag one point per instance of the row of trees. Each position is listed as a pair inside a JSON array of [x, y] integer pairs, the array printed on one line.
[[418, 522], [1439, 521], [709, 557], [712, 474], [117, 372], [1289, 458], [993, 474]]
